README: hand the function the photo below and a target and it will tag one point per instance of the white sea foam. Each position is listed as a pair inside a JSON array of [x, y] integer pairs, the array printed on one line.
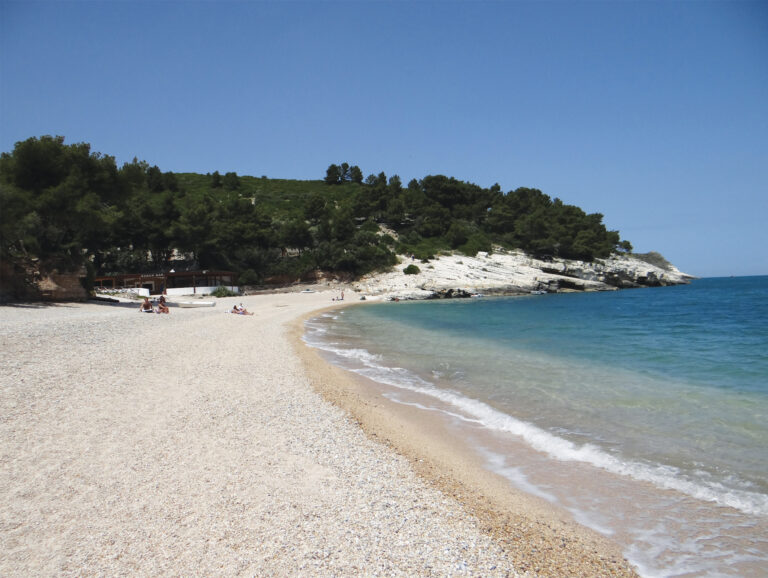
[[694, 556], [314, 338], [665, 477], [394, 398], [396, 377], [361, 355], [516, 476]]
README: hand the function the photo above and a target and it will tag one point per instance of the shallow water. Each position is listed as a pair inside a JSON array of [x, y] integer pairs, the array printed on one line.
[[641, 412]]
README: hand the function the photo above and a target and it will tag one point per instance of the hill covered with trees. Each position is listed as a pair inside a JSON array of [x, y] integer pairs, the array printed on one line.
[[68, 206]]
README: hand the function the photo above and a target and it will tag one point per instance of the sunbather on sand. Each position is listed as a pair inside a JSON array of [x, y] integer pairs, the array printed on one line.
[[240, 310]]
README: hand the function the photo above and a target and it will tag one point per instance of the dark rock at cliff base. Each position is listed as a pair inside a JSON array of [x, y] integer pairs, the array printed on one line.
[[451, 294]]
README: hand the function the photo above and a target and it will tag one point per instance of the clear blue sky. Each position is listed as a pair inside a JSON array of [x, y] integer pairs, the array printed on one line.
[[652, 113]]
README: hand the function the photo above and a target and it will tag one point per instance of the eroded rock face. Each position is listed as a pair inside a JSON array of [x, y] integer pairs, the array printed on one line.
[[624, 272], [63, 287], [26, 280], [517, 273]]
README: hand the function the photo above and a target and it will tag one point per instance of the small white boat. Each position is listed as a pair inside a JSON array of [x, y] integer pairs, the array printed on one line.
[[194, 303], [539, 292]]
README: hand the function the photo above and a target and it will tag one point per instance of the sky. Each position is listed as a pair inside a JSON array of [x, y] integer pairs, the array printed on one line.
[[653, 113]]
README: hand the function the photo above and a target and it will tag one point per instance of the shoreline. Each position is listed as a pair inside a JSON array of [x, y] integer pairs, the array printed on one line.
[[202, 442], [537, 536], [194, 444]]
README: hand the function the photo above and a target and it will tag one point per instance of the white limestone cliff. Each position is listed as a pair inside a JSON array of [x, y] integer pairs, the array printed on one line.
[[515, 272]]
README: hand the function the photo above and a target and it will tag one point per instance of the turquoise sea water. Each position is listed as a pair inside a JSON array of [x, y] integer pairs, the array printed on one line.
[[642, 412]]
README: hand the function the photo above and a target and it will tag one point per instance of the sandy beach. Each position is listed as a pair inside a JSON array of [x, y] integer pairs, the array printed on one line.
[[205, 443]]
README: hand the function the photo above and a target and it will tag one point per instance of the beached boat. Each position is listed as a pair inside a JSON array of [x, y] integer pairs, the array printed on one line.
[[194, 303]]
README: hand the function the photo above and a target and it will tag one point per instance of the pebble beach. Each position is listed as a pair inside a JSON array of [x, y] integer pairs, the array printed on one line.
[[204, 443]]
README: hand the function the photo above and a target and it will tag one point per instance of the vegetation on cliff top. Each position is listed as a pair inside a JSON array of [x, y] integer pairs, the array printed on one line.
[[69, 206]]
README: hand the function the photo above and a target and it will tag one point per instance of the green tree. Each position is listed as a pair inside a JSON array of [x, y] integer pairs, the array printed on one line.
[[314, 208], [355, 174], [20, 224], [192, 230], [231, 181], [458, 234], [170, 183], [625, 246], [395, 185], [333, 175], [134, 174], [296, 234], [66, 192], [395, 214], [37, 164], [155, 180], [343, 224]]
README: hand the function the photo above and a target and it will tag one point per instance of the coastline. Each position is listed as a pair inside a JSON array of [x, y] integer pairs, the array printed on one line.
[[514, 273], [538, 537], [196, 443]]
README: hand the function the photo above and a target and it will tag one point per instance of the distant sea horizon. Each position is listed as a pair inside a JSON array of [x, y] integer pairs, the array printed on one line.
[[645, 409]]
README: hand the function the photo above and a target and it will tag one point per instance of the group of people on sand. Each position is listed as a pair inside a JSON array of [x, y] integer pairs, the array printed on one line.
[[147, 307], [162, 307], [240, 310]]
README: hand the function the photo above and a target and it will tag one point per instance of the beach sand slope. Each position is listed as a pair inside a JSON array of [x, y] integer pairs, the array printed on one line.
[[194, 444]]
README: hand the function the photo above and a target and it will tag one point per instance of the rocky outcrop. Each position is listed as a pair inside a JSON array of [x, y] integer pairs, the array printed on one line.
[[517, 273], [63, 287], [620, 272], [28, 280], [451, 294]]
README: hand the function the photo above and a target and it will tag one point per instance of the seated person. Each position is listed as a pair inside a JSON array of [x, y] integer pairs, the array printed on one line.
[[162, 307], [146, 306]]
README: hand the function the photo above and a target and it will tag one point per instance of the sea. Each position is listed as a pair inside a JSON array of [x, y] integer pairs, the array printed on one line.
[[643, 413]]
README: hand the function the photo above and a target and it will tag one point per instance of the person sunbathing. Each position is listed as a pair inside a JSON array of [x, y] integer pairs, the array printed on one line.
[[240, 310]]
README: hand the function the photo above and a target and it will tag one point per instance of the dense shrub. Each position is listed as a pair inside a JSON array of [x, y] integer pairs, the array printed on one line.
[[476, 243], [222, 291], [248, 277]]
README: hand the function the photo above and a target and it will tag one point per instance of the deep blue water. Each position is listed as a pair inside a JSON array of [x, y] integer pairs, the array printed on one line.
[[665, 386]]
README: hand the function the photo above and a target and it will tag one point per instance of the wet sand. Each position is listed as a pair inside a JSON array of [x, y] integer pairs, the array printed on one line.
[[538, 537]]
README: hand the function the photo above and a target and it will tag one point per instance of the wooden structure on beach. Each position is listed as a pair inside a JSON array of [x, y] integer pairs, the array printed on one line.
[[171, 283]]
